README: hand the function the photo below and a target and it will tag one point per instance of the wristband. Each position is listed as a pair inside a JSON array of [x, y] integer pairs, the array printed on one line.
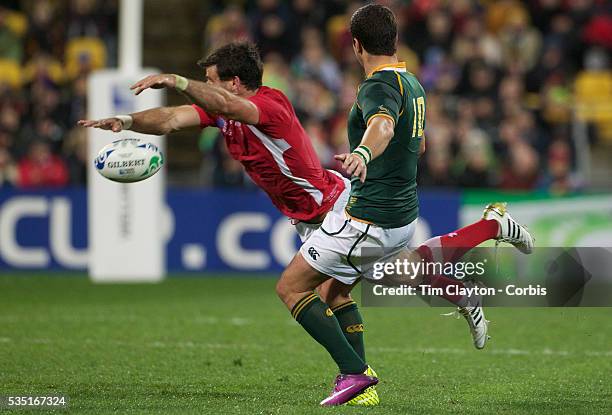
[[181, 83], [126, 121], [364, 152], [367, 150], [360, 154]]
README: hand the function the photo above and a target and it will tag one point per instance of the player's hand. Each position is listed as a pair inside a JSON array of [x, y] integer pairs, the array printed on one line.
[[155, 82], [113, 124], [353, 165]]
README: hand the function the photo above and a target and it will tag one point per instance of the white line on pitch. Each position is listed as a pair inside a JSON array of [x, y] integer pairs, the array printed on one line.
[[425, 350], [505, 352]]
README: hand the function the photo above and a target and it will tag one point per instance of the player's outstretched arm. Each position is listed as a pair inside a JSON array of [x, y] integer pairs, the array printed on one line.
[[156, 121], [213, 99], [375, 140]]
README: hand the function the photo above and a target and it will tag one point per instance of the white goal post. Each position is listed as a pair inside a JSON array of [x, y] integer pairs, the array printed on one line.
[[127, 242]]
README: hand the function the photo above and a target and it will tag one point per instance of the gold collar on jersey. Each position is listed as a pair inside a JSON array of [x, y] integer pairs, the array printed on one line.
[[398, 67]]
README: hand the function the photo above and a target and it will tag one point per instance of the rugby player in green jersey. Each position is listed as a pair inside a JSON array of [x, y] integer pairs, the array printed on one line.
[[386, 136]]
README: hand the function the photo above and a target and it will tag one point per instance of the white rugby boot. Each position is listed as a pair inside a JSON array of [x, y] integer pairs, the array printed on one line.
[[474, 315], [509, 230], [479, 325]]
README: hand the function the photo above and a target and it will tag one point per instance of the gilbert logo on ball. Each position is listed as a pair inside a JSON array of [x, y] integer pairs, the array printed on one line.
[[129, 160]]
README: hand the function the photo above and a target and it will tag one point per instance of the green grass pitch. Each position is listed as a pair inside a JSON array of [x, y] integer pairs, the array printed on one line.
[[227, 345]]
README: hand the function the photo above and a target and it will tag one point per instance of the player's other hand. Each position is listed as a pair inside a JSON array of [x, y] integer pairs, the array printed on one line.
[[353, 165], [113, 124], [155, 82]]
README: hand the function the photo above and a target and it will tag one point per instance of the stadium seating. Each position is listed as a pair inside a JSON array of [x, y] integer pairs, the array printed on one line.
[[10, 73], [84, 52]]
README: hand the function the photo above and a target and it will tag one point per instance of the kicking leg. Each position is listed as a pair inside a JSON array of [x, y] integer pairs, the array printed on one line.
[[452, 246], [496, 223]]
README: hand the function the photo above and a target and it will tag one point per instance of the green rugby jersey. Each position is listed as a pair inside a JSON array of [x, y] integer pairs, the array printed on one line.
[[388, 197]]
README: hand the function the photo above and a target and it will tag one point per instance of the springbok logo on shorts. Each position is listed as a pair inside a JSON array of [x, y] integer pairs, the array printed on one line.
[[313, 253]]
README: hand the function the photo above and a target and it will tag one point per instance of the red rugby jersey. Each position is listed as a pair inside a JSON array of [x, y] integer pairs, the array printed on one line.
[[279, 156]]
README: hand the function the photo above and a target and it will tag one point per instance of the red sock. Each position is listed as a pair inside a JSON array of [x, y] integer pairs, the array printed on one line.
[[450, 248], [439, 281], [454, 245]]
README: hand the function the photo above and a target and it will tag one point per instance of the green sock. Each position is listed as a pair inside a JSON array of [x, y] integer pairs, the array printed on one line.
[[319, 321], [351, 323]]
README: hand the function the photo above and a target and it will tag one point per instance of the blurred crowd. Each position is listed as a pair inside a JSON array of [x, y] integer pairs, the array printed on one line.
[[503, 81], [500, 78], [47, 49]]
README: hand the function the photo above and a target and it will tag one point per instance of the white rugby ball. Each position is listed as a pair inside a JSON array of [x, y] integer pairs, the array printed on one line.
[[129, 160]]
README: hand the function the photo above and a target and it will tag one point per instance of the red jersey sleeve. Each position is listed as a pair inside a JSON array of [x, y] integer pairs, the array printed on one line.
[[205, 119], [274, 109]]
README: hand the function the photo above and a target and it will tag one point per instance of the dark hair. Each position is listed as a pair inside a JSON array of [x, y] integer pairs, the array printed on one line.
[[374, 26], [239, 59]]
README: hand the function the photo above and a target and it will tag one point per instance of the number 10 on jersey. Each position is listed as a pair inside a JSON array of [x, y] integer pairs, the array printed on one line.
[[418, 104]]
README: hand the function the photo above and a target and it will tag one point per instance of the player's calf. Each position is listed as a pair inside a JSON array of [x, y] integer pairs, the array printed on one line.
[[295, 288]]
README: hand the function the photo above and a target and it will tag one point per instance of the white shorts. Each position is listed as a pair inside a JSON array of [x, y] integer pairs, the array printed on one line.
[[334, 248]]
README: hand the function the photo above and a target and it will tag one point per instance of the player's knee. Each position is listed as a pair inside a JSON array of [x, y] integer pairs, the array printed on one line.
[[333, 298], [324, 292], [283, 288], [332, 293]]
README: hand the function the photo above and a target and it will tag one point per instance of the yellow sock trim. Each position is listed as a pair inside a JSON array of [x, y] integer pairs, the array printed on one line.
[[299, 306], [343, 305]]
